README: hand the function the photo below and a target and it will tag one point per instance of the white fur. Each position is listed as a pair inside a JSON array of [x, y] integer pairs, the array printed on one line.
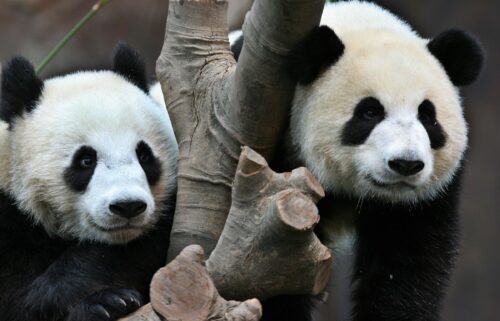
[[104, 111], [386, 59]]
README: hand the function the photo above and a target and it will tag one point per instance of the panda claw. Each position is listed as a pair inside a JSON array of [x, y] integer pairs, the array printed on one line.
[[106, 305]]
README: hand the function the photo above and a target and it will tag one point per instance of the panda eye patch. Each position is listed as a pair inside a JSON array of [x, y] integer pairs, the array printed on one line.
[[368, 113], [427, 113], [82, 167], [427, 116], [149, 163], [370, 109]]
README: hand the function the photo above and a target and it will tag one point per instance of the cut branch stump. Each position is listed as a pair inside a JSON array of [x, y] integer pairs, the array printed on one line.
[[268, 246], [183, 291]]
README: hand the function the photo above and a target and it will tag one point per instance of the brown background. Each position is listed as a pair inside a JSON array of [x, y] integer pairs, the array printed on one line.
[[32, 27]]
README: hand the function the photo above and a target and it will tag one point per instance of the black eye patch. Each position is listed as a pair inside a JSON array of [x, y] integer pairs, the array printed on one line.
[[149, 163], [427, 116], [79, 173], [367, 114]]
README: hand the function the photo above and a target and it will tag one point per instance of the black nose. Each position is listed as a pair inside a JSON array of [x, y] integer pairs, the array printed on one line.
[[406, 167], [128, 209]]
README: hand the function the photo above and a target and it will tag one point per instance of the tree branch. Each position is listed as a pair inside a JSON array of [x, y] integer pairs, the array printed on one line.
[[217, 107], [268, 246], [183, 290]]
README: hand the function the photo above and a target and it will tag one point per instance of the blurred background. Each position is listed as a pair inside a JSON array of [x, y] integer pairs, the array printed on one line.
[[32, 27]]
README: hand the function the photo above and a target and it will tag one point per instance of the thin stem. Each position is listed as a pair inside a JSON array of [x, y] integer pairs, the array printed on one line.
[[95, 8]]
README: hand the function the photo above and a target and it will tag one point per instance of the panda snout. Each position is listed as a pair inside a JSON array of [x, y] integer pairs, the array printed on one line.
[[128, 209], [406, 167]]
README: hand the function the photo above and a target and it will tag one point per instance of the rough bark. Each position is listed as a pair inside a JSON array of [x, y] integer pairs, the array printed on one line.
[[217, 107], [268, 247], [183, 290]]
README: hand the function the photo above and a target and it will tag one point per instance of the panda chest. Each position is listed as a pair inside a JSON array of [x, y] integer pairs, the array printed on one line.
[[336, 227]]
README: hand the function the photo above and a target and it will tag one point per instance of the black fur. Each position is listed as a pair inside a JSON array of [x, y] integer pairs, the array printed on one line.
[[460, 54], [236, 47], [130, 65], [427, 116], [149, 163], [405, 255], [367, 114], [44, 278], [287, 308], [314, 54], [21, 89], [77, 175]]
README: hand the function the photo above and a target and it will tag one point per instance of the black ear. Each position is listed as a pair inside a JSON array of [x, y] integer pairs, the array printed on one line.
[[21, 89], [319, 50], [460, 54], [130, 65]]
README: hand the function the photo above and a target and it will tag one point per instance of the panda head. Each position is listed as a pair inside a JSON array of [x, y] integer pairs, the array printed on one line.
[[378, 113], [91, 156]]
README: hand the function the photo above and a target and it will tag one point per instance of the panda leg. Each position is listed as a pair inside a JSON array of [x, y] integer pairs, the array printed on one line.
[[405, 254], [287, 308]]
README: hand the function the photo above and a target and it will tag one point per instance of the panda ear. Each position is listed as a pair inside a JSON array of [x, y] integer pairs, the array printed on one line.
[[130, 65], [460, 53], [21, 89], [316, 52]]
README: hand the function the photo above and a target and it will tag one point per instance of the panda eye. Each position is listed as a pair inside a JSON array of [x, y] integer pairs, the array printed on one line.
[[85, 158], [370, 109], [87, 162], [144, 157], [427, 113], [144, 153]]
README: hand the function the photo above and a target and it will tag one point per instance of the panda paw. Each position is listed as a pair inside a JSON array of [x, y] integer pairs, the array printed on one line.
[[106, 305]]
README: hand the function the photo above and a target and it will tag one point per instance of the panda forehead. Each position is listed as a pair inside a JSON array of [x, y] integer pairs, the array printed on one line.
[[401, 74], [94, 101]]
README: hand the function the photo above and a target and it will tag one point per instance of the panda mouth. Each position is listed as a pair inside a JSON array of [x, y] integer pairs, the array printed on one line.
[[384, 185], [113, 229]]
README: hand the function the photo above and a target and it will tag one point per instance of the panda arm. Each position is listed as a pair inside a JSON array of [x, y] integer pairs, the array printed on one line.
[[80, 272], [405, 255], [43, 278]]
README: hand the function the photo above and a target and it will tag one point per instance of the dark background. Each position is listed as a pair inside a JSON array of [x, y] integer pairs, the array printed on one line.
[[32, 27]]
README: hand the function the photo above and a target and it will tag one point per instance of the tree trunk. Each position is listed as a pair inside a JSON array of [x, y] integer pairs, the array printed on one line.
[[217, 107], [268, 246]]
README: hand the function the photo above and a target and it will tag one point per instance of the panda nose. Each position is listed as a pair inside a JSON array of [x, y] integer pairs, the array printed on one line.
[[406, 167], [128, 209]]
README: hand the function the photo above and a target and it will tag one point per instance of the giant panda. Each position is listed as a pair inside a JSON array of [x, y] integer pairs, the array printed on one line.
[[377, 117], [87, 191]]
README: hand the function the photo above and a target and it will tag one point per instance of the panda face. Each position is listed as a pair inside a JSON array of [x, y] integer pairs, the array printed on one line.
[[95, 159], [384, 121]]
